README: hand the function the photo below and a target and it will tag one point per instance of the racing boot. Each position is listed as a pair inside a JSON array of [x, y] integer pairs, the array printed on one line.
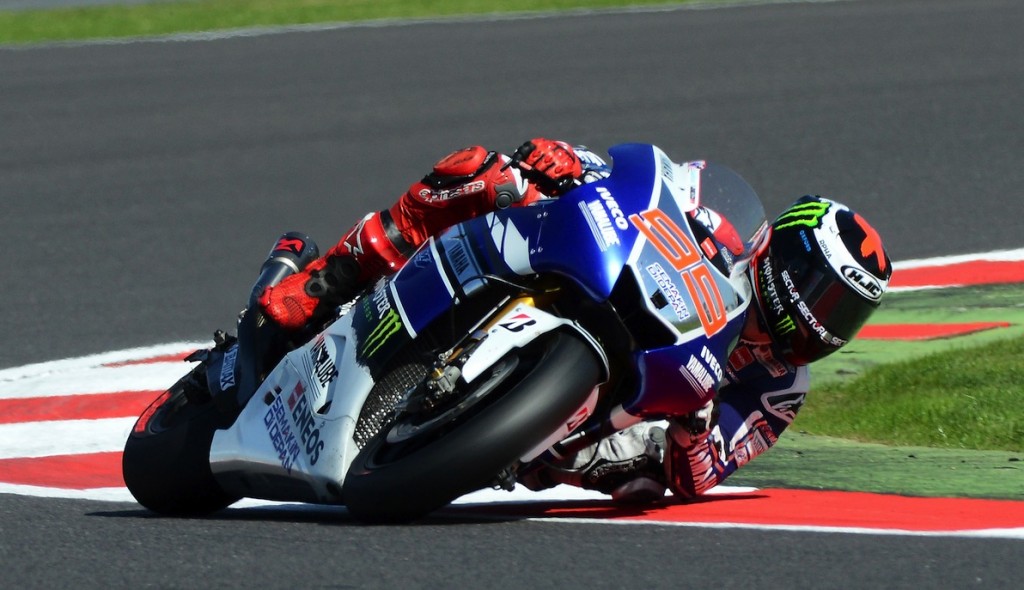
[[311, 296], [368, 252], [626, 465]]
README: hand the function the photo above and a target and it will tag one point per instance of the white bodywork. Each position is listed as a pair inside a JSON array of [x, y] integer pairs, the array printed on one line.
[[294, 438]]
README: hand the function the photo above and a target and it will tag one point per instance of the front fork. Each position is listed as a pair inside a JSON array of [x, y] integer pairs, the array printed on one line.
[[515, 315], [447, 373], [514, 324]]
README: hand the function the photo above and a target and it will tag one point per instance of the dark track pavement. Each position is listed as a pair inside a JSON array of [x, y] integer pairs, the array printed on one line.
[[142, 184]]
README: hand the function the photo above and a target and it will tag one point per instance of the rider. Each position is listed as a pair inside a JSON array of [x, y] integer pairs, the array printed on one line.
[[817, 279]]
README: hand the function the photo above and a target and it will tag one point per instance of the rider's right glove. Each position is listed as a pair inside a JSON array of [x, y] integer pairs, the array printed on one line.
[[552, 165]]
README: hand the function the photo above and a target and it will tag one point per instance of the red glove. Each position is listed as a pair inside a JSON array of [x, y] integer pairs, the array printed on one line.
[[552, 164]]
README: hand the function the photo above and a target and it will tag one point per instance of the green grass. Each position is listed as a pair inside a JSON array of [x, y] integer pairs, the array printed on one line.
[[65, 24], [993, 303], [802, 460], [964, 398], [912, 417], [955, 393]]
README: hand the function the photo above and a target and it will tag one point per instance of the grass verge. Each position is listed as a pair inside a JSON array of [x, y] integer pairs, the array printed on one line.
[[805, 461], [963, 392], [932, 418], [160, 18], [967, 398]]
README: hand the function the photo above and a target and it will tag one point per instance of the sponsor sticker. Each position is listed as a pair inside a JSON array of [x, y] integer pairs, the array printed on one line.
[[783, 405], [279, 429], [323, 363], [227, 368], [807, 215], [305, 424], [704, 373], [668, 288], [518, 322], [378, 307], [863, 282], [812, 322]]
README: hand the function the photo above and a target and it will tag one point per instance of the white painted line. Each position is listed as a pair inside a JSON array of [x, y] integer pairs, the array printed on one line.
[[95, 360], [99, 494], [1017, 533], [63, 437], [84, 381]]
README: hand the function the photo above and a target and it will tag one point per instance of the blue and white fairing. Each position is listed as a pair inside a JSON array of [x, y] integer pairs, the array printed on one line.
[[684, 245]]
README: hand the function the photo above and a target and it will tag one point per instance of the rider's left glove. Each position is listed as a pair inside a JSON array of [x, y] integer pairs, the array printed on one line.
[[691, 436], [625, 465], [552, 165]]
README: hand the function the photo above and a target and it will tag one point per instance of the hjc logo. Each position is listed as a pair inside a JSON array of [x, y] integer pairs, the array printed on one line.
[[863, 282], [518, 322]]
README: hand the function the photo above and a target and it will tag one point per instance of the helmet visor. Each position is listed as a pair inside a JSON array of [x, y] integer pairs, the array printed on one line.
[[828, 310]]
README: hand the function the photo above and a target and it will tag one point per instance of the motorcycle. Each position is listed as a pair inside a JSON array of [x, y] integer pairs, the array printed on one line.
[[524, 334]]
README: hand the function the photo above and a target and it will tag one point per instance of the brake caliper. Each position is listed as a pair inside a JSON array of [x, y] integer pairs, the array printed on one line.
[[440, 385]]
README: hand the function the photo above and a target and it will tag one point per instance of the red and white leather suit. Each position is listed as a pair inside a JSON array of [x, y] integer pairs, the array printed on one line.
[[462, 185]]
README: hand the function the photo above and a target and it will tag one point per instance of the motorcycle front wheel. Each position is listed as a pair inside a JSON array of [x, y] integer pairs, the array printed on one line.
[[418, 464]]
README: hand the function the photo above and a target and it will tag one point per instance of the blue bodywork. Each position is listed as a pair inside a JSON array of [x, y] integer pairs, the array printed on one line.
[[641, 220]]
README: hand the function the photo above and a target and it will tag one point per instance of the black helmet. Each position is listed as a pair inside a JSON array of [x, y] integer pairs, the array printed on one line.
[[822, 276]]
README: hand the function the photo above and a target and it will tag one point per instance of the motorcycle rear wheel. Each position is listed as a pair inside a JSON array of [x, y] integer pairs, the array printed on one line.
[[407, 478], [166, 461]]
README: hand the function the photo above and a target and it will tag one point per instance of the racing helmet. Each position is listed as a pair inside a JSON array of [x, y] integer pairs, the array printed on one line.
[[821, 277]]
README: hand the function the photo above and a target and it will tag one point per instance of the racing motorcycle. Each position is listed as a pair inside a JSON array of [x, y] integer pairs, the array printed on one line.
[[526, 333]]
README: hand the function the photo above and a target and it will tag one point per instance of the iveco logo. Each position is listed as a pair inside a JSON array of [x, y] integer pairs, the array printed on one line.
[[863, 282], [613, 208]]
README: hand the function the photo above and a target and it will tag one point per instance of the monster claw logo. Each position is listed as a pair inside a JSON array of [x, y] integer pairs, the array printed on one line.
[[389, 324], [805, 214], [784, 326]]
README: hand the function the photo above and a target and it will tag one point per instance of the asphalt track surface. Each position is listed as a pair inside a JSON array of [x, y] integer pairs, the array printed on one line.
[[141, 184]]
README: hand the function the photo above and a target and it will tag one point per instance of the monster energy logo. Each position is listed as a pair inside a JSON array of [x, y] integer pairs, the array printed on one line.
[[784, 326], [389, 324], [806, 214]]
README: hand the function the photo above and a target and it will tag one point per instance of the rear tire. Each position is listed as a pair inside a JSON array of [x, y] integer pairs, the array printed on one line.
[[166, 461], [404, 480]]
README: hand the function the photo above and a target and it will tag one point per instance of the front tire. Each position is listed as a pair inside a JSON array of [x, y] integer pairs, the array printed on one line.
[[407, 478], [166, 461]]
